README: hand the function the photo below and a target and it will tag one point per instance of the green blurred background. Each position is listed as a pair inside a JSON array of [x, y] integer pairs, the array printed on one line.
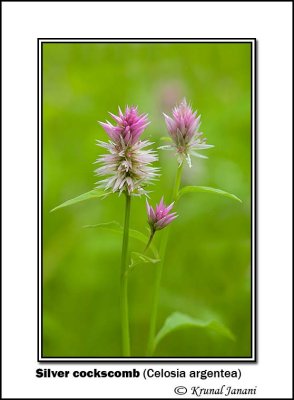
[[207, 270]]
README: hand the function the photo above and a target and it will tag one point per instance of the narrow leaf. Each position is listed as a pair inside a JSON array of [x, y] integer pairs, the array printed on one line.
[[177, 321], [115, 227], [112, 226], [139, 258], [206, 189], [93, 194]]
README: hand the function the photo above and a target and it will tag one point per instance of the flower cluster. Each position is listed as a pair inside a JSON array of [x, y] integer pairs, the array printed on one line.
[[183, 129], [160, 216], [127, 166]]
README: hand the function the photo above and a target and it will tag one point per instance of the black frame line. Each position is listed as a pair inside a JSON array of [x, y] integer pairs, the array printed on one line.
[[253, 62], [167, 40]]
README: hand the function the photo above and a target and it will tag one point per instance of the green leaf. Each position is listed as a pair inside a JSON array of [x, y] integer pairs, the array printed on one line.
[[139, 258], [206, 189], [93, 194], [115, 227], [177, 321], [112, 226]]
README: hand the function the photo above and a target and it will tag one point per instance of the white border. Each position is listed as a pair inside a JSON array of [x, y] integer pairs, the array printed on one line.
[[253, 221]]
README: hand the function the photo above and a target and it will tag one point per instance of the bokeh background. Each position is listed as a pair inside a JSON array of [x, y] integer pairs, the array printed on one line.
[[207, 271]]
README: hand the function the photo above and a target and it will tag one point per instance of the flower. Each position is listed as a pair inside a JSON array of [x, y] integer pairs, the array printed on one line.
[[127, 166], [183, 129], [160, 217], [129, 126]]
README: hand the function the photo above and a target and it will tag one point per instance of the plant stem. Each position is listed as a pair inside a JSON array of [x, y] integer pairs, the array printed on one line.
[[177, 182], [159, 269], [149, 241], [124, 282]]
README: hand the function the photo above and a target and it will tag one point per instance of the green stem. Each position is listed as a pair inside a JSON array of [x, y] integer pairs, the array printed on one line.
[[124, 282], [177, 182], [159, 269], [149, 241]]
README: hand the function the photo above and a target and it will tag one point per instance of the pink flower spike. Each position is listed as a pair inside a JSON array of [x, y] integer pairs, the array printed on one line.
[[127, 167], [159, 217], [130, 125], [183, 129]]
